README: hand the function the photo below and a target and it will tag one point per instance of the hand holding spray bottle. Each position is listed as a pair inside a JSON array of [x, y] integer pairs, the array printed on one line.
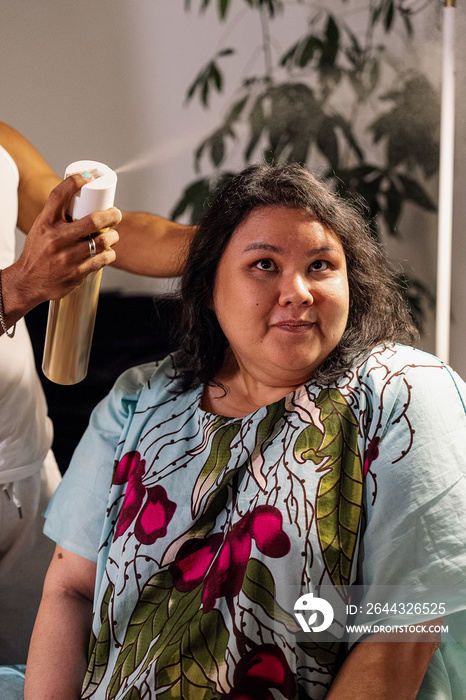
[[71, 320]]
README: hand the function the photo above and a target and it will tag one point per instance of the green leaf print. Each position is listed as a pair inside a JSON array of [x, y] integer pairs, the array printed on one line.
[[340, 489], [146, 623], [259, 587], [133, 694], [191, 666], [169, 664], [325, 653], [308, 444], [182, 608], [264, 434], [217, 461], [159, 624], [168, 629], [99, 649], [265, 427], [208, 642]]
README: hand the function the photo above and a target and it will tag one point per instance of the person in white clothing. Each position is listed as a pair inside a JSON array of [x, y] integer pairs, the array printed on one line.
[[55, 259]]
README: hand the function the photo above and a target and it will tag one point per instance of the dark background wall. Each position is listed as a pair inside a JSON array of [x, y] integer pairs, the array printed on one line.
[[129, 330]]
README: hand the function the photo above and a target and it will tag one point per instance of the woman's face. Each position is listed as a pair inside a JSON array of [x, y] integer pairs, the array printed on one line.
[[281, 294]]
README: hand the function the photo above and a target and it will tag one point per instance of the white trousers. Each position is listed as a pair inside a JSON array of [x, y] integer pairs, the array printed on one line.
[[25, 553]]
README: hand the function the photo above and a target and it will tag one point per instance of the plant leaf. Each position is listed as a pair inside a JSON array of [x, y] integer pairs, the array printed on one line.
[[223, 8], [257, 124], [332, 43], [193, 198], [393, 209], [328, 142], [236, 111], [389, 16], [208, 77], [414, 191]]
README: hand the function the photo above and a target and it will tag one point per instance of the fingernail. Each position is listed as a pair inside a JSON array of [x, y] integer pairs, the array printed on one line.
[[86, 175], [121, 215]]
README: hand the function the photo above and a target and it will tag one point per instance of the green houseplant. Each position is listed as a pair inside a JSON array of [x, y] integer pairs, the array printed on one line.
[[338, 99]]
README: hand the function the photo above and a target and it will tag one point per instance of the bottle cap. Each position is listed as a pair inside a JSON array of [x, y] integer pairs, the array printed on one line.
[[97, 194]]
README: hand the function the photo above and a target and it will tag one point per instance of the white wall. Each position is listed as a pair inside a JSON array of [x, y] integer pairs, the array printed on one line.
[[106, 80]]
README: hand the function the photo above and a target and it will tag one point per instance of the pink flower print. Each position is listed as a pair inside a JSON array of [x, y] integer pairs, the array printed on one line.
[[221, 561], [193, 560], [372, 453], [131, 468], [152, 520], [226, 575], [129, 462], [155, 515], [259, 670], [267, 530]]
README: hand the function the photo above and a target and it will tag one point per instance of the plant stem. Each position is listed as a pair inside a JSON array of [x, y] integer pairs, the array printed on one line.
[[266, 45]]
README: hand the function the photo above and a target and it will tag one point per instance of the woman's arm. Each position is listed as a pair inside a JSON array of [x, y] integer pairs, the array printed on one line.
[[57, 659], [383, 670], [151, 245]]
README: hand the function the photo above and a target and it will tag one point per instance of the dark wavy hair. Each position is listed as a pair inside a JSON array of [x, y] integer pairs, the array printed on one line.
[[377, 311]]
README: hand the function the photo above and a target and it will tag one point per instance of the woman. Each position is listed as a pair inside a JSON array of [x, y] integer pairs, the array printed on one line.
[[291, 444]]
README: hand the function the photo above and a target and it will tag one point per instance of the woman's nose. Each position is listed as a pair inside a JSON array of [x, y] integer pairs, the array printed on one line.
[[296, 290]]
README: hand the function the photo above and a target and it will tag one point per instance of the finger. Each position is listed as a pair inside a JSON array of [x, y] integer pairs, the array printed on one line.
[[106, 257], [96, 221], [60, 197], [93, 245], [107, 238]]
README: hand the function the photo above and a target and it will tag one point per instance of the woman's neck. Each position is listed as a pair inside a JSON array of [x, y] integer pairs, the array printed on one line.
[[243, 393]]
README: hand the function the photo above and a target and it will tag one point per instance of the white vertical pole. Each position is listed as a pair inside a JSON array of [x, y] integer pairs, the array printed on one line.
[[445, 214]]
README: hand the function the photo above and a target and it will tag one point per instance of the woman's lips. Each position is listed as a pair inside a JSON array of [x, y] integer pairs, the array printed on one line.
[[294, 326]]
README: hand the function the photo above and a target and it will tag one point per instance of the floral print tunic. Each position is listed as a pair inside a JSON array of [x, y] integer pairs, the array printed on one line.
[[206, 529]]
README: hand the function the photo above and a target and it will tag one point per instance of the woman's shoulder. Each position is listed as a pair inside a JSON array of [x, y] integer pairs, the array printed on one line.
[[398, 357], [133, 380], [134, 384], [395, 357], [394, 367]]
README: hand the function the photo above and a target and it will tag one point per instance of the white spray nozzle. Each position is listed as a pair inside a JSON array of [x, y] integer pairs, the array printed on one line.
[[97, 194]]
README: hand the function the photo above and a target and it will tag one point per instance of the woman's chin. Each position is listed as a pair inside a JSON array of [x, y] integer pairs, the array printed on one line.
[[284, 369]]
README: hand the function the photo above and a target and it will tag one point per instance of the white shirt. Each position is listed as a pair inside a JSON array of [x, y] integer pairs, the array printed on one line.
[[25, 430]]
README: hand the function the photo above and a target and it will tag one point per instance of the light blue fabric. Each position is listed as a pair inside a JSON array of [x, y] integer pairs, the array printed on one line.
[[12, 682], [446, 676], [362, 482]]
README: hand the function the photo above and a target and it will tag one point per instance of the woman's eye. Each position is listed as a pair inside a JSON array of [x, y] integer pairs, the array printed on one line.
[[319, 265], [265, 264]]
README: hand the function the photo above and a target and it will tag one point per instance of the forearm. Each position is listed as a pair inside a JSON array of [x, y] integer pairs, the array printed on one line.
[[57, 657], [151, 245], [382, 671]]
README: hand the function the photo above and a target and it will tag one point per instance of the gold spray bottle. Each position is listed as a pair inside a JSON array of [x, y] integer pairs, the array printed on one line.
[[70, 324]]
